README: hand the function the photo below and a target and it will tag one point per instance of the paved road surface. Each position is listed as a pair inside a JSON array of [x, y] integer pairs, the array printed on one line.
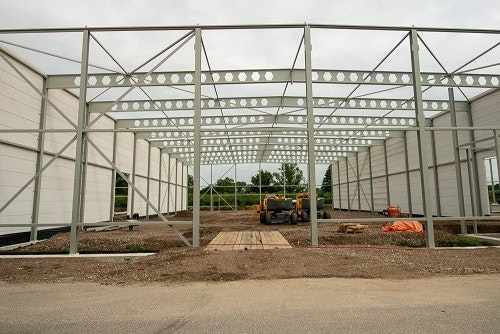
[[466, 304]]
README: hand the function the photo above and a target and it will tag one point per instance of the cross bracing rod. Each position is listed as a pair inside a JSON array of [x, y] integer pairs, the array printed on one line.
[[187, 122], [183, 78], [270, 102]]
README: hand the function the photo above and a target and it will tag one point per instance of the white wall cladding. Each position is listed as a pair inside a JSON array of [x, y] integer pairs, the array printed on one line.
[[485, 111], [16, 167], [19, 103], [20, 107]]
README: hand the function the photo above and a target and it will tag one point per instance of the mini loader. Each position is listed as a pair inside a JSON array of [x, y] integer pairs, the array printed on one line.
[[303, 207], [277, 209]]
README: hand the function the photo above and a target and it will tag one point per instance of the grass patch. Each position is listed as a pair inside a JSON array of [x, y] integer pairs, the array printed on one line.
[[410, 243], [462, 241], [134, 248]]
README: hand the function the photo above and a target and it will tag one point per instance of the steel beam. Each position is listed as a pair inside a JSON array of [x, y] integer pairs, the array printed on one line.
[[252, 103], [249, 27], [326, 122], [259, 76]]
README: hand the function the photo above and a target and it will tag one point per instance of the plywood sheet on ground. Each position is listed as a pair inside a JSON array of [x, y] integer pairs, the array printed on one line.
[[248, 240]]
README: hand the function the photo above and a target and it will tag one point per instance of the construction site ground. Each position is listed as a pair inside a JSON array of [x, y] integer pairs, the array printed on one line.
[[370, 254]]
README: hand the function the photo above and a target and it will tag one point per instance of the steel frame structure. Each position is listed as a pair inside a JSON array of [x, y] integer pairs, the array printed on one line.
[[295, 133]]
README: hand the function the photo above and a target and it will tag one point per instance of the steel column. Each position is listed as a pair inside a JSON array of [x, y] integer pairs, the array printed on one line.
[[197, 137], [475, 173], [148, 183], [421, 137], [176, 195], [39, 163], [260, 183], [386, 165], [358, 181], [211, 188], [113, 180], [372, 201], [340, 190], [471, 187], [497, 153], [458, 164], [235, 191], [492, 181], [169, 185], [159, 181], [85, 166], [77, 181], [310, 135], [347, 183], [407, 172], [436, 174], [331, 182], [134, 165], [183, 187]]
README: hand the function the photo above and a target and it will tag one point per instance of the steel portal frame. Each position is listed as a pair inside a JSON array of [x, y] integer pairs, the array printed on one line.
[[248, 133]]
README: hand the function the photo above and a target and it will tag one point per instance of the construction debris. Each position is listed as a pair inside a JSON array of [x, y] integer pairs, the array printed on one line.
[[352, 228]]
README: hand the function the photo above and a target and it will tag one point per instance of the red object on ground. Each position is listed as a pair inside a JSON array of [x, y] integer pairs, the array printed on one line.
[[393, 211], [406, 226]]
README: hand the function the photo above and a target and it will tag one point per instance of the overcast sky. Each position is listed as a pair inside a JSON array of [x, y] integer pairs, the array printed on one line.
[[53, 13], [96, 13]]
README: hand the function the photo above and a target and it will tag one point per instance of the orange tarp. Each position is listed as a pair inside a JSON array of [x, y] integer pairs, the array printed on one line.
[[407, 226]]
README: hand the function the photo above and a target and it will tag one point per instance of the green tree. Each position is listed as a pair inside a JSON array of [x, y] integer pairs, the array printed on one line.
[[224, 186], [327, 180], [266, 180], [291, 176]]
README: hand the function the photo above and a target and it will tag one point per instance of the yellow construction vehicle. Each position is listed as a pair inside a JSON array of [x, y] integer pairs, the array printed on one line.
[[303, 207], [277, 209]]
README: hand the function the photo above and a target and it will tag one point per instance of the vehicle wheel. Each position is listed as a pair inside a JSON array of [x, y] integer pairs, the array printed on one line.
[[327, 215], [304, 217], [293, 218], [263, 218]]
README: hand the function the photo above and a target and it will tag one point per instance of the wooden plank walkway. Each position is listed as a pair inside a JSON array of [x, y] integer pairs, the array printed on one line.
[[248, 240]]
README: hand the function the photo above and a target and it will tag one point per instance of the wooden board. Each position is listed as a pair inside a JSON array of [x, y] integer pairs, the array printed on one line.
[[247, 240]]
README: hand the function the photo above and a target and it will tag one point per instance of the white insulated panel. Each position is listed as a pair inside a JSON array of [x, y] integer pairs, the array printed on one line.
[[16, 168], [124, 151], [98, 196]]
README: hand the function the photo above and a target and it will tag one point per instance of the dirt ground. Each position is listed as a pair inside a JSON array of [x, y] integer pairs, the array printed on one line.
[[371, 254]]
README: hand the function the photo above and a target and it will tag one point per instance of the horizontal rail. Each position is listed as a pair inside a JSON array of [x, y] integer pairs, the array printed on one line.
[[250, 26]]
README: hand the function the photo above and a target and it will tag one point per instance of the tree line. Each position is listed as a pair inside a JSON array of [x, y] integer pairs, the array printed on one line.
[[289, 179]]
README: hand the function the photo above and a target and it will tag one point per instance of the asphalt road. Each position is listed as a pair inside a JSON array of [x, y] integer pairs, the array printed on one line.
[[465, 304]]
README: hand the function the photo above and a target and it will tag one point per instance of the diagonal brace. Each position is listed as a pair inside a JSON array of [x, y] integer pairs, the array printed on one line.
[[37, 174], [176, 231]]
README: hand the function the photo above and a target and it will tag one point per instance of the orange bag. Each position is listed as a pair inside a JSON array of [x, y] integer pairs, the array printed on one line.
[[406, 226]]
